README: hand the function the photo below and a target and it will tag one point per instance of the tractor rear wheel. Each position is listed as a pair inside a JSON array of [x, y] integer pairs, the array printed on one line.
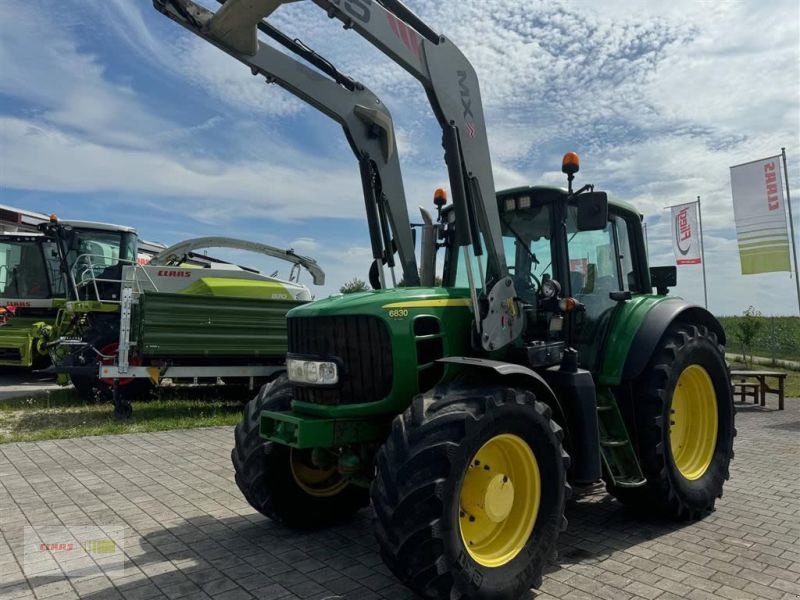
[[685, 426], [282, 483], [469, 492]]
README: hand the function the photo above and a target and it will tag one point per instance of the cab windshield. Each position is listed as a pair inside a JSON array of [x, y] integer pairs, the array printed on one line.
[[527, 243], [29, 269], [90, 251]]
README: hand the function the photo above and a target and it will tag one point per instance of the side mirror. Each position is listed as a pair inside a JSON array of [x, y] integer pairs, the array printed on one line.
[[663, 278], [592, 211]]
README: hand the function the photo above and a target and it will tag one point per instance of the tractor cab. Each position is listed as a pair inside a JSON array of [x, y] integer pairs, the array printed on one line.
[[572, 258]]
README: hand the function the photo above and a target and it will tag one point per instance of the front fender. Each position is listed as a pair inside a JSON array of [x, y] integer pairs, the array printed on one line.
[[636, 329], [508, 372]]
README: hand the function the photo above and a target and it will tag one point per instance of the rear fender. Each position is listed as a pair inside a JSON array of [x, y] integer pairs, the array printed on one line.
[[638, 328]]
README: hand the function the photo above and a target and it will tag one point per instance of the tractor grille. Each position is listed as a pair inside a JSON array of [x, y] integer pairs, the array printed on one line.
[[363, 347]]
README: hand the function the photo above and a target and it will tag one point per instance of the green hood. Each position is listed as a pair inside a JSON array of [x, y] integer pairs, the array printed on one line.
[[369, 302]]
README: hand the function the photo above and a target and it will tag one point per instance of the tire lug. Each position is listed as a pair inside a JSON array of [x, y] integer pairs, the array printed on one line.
[[471, 520], [486, 468]]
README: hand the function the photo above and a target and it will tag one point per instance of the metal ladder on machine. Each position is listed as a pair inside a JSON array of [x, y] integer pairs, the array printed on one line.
[[616, 449], [365, 119]]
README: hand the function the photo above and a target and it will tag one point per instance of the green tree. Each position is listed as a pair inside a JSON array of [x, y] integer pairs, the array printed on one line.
[[354, 285], [437, 282], [747, 330]]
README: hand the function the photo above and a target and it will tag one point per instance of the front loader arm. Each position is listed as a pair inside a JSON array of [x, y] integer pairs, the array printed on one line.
[[365, 119], [453, 91]]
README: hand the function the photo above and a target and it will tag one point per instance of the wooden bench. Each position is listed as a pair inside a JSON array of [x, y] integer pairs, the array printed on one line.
[[742, 382], [745, 390]]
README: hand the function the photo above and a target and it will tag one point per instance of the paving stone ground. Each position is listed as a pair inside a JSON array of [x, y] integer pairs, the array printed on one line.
[[189, 534]]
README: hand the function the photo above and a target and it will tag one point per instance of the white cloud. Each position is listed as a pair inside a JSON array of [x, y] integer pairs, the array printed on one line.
[[43, 67], [659, 99], [304, 245], [47, 159]]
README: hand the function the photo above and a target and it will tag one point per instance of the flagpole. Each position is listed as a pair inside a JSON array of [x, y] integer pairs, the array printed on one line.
[[791, 225], [702, 250]]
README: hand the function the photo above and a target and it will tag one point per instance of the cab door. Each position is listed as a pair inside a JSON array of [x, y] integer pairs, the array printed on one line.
[[600, 263]]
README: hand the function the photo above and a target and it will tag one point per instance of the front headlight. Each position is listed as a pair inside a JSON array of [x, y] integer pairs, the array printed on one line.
[[312, 372]]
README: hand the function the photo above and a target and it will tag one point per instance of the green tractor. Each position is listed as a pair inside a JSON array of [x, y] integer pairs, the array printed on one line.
[[465, 411]]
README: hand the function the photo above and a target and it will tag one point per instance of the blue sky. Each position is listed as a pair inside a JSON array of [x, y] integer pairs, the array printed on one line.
[[110, 112]]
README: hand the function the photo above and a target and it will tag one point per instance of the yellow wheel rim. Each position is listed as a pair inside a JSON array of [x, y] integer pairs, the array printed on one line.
[[314, 481], [499, 500], [693, 422]]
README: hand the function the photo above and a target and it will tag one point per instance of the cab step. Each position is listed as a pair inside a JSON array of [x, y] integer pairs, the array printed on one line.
[[618, 454]]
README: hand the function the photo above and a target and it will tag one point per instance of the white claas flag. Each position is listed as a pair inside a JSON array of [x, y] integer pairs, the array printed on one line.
[[686, 234], [760, 212]]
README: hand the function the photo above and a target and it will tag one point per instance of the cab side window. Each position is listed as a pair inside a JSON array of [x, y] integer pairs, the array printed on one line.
[[630, 280], [592, 267]]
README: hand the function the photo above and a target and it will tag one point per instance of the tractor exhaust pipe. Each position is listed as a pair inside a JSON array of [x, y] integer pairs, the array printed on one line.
[[427, 270]]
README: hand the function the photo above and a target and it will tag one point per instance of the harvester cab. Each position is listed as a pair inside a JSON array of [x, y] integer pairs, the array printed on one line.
[[29, 271], [468, 408], [31, 289], [37, 278], [91, 256]]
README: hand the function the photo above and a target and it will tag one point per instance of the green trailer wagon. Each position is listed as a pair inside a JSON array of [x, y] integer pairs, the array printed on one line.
[[128, 327]]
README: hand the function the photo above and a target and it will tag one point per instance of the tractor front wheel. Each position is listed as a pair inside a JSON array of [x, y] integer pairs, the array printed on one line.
[[684, 425], [469, 492], [283, 483]]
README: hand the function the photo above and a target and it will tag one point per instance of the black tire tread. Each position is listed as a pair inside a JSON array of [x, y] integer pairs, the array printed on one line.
[[660, 494], [412, 468], [262, 474]]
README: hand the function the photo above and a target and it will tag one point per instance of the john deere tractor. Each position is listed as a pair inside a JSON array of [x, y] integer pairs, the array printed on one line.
[[465, 411]]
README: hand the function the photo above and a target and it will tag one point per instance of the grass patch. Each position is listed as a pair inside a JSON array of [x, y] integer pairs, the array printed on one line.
[[63, 414], [777, 338]]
